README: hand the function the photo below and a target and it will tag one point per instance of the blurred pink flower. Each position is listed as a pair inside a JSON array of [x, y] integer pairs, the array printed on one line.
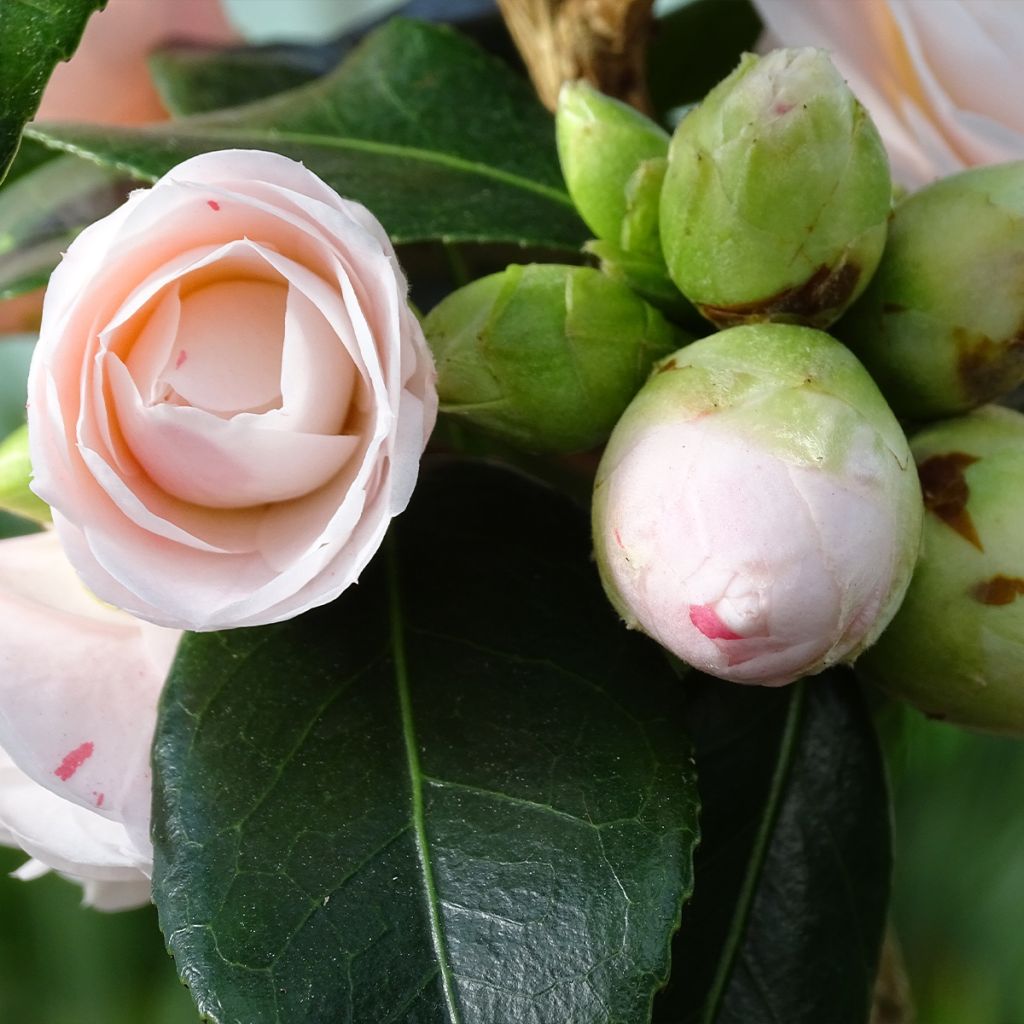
[[937, 78], [107, 81], [79, 682]]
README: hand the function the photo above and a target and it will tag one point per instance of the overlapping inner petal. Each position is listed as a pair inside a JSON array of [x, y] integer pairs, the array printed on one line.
[[229, 387]]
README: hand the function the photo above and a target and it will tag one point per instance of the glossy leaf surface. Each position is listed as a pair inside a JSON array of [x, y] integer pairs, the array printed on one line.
[[438, 139], [461, 793], [792, 875]]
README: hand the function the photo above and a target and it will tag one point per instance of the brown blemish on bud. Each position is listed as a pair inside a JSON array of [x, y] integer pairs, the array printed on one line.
[[814, 302], [998, 590], [987, 368], [945, 492], [669, 364]]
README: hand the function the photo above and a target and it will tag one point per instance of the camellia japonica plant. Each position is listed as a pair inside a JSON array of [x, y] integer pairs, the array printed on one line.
[[455, 555]]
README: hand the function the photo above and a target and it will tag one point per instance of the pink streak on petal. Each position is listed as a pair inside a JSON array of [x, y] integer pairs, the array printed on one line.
[[704, 617], [213, 204], [180, 361], [99, 799], [73, 761]]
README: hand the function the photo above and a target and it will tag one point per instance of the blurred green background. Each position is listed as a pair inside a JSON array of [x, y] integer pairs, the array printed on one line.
[[62, 964], [958, 893]]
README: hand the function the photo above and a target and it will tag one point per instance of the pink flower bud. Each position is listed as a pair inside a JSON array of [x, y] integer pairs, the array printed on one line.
[[756, 510]]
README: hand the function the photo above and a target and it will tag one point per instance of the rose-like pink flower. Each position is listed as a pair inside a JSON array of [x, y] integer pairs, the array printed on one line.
[[937, 78], [79, 683], [230, 395]]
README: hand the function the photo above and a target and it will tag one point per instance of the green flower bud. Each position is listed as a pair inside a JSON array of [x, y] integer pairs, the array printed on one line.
[[545, 356], [956, 647], [941, 327], [15, 474], [775, 202], [602, 144], [756, 510]]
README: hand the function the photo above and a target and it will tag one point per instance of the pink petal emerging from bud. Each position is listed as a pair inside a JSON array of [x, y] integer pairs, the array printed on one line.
[[756, 511]]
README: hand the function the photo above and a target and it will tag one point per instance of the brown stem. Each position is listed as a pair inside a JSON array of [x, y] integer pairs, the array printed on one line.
[[891, 1001], [603, 41]]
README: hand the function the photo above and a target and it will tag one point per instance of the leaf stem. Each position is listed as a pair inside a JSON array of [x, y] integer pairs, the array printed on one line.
[[416, 779], [745, 901]]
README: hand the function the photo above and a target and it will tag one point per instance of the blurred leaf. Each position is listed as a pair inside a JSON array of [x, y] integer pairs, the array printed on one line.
[[695, 47], [792, 875], [15, 356], [34, 36], [438, 139], [43, 210], [16, 495], [31, 154], [460, 793], [196, 79]]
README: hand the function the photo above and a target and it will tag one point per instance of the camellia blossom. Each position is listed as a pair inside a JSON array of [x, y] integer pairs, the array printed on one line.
[[756, 510], [230, 395], [79, 683], [915, 65]]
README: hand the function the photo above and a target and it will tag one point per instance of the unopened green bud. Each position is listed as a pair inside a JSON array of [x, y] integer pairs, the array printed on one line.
[[956, 646], [601, 144], [941, 327], [756, 510], [775, 202], [545, 356], [15, 475]]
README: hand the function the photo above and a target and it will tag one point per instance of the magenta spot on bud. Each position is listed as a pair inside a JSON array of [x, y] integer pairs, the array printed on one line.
[[618, 539], [213, 205], [99, 799], [783, 108], [706, 619], [180, 361], [73, 761]]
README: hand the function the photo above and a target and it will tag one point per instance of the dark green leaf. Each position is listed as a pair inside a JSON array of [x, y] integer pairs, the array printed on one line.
[[696, 46], [15, 526], [43, 210], [438, 139], [197, 80], [31, 154], [460, 793], [34, 36], [792, 876]]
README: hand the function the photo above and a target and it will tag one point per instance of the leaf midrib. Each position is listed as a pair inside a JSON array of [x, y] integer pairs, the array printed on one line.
[[748, 890], [332, 142], [416, 783]]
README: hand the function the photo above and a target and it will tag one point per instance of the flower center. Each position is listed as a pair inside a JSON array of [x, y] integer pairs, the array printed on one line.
[[226, 356]]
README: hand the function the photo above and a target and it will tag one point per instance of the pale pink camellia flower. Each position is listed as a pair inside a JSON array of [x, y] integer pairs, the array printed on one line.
[[936, 77], [756, 510], [230, 395], [79, 683]]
